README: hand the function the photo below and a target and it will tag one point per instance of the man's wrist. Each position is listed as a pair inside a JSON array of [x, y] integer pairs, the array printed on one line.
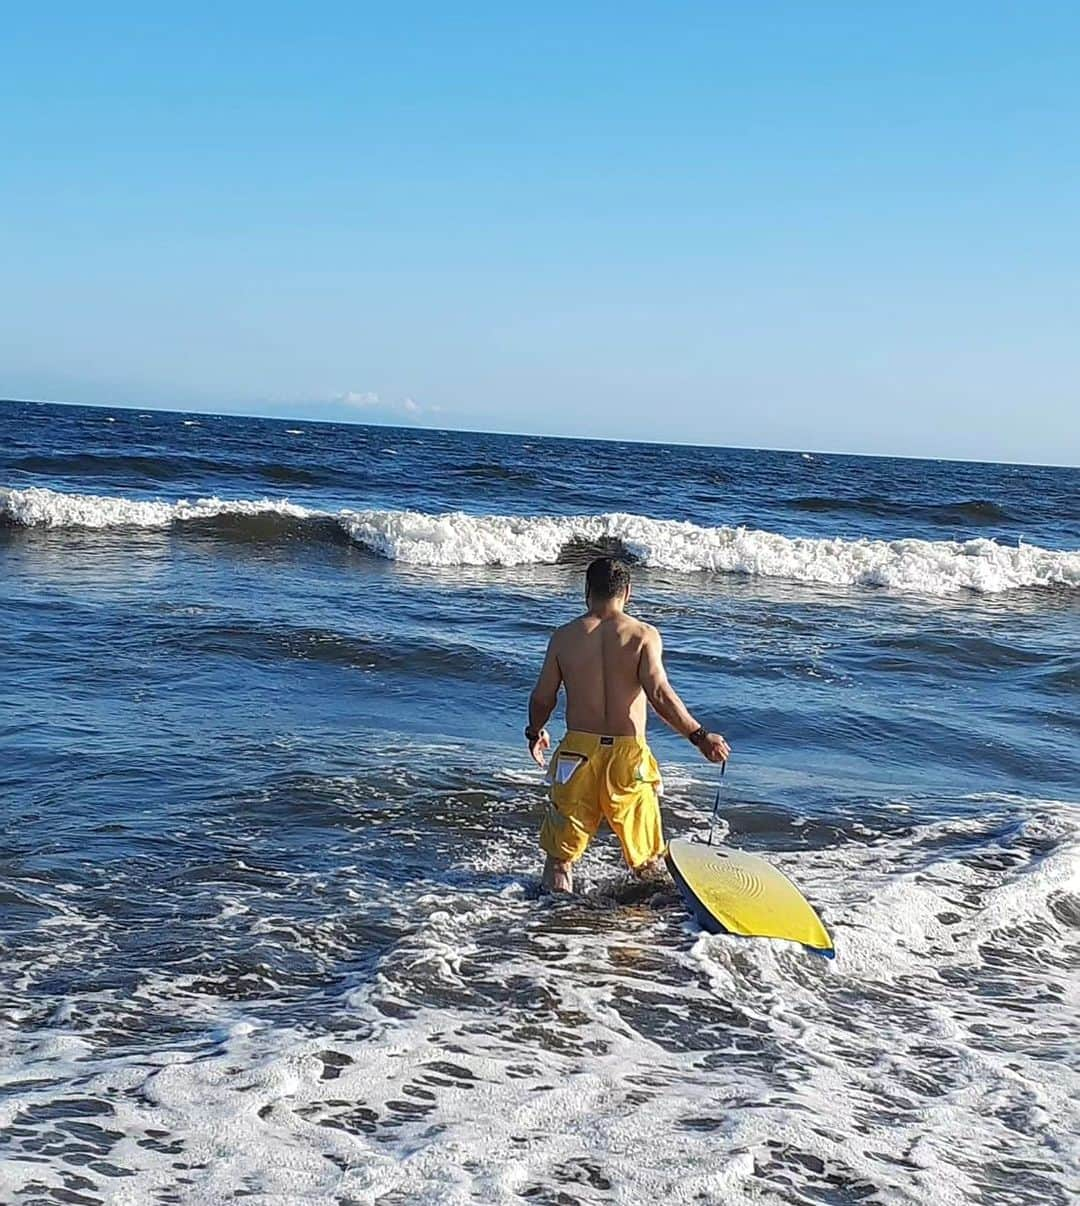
[[532, 734], [698, 735]]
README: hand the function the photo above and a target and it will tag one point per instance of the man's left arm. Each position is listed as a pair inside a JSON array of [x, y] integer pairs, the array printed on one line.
[[542, 703]]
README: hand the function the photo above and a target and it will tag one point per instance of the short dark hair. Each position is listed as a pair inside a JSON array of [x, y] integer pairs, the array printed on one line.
[[607, 578]]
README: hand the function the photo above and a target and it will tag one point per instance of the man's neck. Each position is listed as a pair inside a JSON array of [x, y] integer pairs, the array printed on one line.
[[605, 611]]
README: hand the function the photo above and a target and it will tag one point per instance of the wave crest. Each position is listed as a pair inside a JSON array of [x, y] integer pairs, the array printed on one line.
[[937, 567], [37, 507]]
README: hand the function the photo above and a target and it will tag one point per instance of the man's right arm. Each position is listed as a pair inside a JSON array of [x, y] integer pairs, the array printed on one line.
[[542, 703], [665, 700]]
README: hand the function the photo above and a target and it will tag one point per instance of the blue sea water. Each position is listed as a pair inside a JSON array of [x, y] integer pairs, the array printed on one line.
[[270, 928]]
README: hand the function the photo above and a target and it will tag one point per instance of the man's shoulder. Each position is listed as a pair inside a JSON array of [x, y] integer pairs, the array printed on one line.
[[635, 634], [568, 629]]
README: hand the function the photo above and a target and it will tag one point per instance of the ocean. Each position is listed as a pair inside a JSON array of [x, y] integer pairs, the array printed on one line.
[[271, 929]]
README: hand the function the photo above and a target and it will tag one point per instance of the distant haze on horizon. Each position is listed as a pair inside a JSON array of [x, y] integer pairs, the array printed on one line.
[[400, 424], [847, 229]]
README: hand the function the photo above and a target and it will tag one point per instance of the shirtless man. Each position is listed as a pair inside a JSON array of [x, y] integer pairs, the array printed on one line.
[[610, 665]]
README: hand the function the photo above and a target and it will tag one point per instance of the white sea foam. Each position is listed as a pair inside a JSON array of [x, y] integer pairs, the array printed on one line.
[[924, 566], [935, 567], [927, 1064], [38, 507]]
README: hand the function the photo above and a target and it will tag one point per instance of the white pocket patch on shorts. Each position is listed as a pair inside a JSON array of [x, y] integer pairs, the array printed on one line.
[[565, 765], [643, 774]]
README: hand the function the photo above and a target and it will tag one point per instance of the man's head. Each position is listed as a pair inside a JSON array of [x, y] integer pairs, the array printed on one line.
[[607, 580]]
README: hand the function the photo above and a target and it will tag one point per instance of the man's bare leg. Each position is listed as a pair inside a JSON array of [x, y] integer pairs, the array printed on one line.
[[558, 876]]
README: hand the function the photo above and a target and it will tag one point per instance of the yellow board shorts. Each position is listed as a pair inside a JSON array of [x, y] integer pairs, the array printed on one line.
[[596, 778]]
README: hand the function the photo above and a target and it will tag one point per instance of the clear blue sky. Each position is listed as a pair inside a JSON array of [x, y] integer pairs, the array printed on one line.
[[833, 226]]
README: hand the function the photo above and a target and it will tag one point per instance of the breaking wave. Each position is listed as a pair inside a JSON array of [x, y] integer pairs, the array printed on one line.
[[37, 507], [458, 539]]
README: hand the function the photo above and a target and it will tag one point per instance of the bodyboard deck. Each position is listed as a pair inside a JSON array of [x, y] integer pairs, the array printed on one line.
[[733, 892]]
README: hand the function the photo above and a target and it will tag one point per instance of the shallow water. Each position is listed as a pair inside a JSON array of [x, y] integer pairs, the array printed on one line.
[[270, 926]]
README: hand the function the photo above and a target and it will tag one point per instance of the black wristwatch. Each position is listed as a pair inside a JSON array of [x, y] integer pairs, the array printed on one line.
[[531, 734], [697, 736]]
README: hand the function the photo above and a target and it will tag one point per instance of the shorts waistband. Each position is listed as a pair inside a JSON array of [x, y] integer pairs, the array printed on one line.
[[580, 737]]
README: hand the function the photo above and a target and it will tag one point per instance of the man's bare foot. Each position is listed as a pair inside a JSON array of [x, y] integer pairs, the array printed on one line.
[[558, 876]]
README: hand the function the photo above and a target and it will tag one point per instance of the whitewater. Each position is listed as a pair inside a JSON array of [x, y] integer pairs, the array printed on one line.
[[460, 539]]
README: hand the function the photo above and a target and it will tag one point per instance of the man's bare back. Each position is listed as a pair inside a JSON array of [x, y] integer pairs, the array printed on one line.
[[599, 659]]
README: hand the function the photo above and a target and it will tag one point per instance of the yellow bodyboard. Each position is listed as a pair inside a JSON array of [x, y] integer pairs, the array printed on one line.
[[740, 893]]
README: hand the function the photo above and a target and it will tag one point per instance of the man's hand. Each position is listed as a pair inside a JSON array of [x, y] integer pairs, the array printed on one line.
[[537, 747], [714, 747]]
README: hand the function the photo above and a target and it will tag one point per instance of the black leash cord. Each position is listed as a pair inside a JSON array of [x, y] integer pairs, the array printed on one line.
[[716, 803]]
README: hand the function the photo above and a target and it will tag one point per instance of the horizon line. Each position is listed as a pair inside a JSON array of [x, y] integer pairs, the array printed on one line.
[[536, 435]]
